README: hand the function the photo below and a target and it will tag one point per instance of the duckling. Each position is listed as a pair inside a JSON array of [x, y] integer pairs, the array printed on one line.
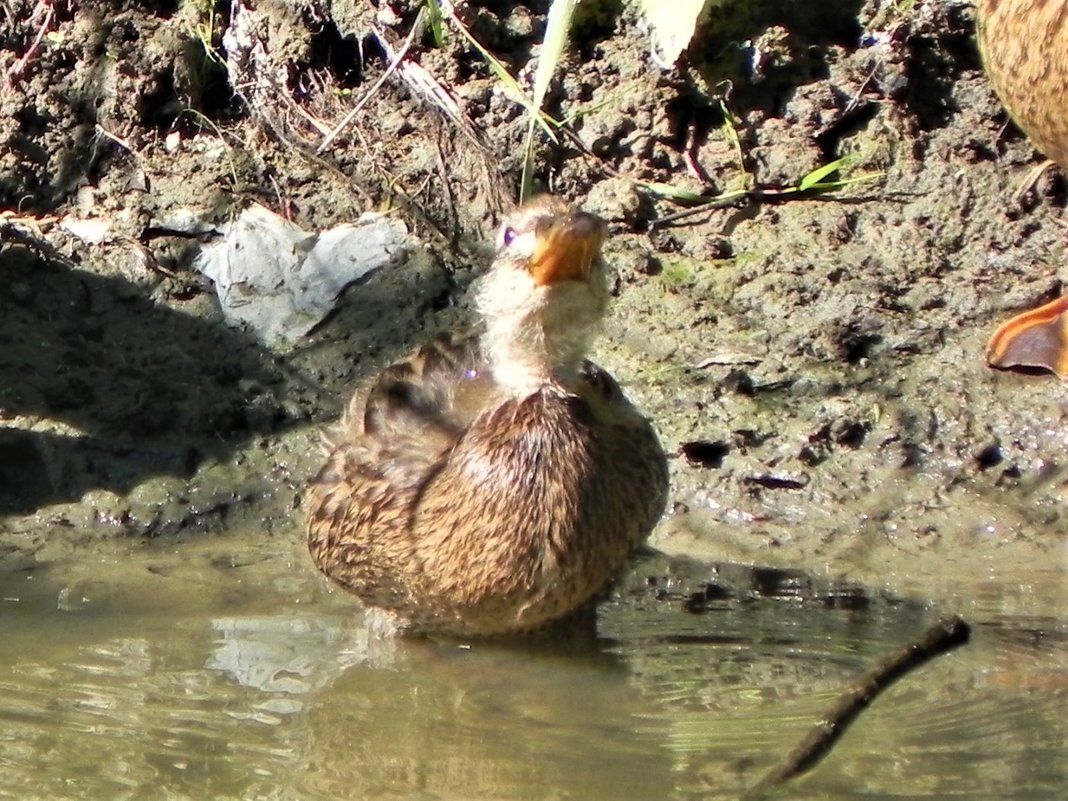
[[1024, 46], [495, 483]]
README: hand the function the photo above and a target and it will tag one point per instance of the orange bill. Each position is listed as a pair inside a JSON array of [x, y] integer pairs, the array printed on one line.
[[1037, 339], [567, 249]]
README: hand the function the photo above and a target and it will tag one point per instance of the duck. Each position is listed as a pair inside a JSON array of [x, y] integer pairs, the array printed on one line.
[[1024, 48], [496, 481]]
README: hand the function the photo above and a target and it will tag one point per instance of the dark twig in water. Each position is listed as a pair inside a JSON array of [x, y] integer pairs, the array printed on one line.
[[940, 638]]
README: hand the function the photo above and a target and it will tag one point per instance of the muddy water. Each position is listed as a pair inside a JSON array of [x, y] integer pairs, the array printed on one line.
[[226, 669]]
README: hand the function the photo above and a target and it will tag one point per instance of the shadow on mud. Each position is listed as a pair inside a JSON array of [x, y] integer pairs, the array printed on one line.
[[111, 388], [140, 389]]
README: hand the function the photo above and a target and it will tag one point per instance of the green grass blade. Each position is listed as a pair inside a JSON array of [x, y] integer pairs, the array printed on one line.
[[434, 22], [509, 84], [815, 178], [556, 31], [824, 186]]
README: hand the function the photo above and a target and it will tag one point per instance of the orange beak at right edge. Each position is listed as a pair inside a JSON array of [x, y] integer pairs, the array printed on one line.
[[566, 251], [1037, 339]]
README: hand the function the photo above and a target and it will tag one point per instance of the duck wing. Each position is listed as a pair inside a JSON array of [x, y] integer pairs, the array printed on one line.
[[391, 441]]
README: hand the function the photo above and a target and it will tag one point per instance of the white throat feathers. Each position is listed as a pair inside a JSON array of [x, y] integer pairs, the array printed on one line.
[[537, 335]]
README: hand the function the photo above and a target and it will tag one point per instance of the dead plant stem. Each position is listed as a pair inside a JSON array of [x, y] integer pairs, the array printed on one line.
[[397, 59]]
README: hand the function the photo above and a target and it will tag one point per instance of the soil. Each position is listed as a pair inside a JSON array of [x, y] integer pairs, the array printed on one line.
[[814, 363]]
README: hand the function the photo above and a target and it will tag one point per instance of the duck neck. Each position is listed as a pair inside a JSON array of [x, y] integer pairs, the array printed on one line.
[[537, 336], [532, 357]]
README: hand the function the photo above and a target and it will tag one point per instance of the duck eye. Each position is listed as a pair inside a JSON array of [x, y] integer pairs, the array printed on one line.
[[509, 235]]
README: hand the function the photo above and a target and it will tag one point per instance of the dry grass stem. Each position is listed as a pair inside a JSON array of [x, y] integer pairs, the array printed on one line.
[[43, 8], [394, 62]]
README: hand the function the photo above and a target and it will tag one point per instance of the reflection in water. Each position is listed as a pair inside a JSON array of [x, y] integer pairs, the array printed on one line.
[[181, 676]]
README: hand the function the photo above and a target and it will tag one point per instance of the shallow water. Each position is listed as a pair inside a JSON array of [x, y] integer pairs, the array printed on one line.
[[226, 669]]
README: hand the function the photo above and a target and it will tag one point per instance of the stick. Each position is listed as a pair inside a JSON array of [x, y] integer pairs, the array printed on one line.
[[942, 637]]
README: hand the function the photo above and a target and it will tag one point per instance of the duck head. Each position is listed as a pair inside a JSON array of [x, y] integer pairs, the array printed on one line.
[[545, 295]]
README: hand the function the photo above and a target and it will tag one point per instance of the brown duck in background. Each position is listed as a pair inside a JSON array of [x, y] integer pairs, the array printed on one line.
[[496, 483], [1024, 44]]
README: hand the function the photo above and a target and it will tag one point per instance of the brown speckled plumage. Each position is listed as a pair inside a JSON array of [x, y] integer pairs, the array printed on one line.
[[1024, 44], [464, 501]]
